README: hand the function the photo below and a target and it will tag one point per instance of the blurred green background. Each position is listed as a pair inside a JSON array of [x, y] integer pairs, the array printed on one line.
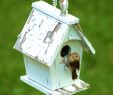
[[96, 19]]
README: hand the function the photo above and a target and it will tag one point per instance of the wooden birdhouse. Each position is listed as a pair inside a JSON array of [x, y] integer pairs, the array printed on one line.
[[48, 38]]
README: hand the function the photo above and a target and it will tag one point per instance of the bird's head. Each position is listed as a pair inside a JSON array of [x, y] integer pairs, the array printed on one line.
[[73, 57]]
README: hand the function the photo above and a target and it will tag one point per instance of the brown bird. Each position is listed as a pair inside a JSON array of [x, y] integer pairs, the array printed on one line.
[[73, 62]]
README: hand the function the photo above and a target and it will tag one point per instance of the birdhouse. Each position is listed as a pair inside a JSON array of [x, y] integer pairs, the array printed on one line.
[[52, 43]]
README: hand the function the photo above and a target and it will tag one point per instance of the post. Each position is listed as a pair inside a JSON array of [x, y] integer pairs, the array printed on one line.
[[64, 7]]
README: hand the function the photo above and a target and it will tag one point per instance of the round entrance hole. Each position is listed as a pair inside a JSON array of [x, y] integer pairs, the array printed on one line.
[[65, 51]]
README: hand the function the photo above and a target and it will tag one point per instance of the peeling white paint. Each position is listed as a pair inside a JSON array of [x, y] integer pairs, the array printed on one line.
[[43, 36]]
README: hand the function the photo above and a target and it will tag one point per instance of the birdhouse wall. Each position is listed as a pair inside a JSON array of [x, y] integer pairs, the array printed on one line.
[[37, 72], [60, 74], [56, 76], [72, 35]]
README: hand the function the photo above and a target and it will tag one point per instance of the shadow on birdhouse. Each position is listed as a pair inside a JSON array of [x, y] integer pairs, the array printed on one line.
[[52, 46]]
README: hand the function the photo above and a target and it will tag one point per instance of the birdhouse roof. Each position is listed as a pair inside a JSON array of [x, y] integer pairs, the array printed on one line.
[[44, 32]]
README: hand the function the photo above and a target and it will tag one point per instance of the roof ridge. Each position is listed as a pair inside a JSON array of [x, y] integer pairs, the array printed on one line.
[[54, 12]]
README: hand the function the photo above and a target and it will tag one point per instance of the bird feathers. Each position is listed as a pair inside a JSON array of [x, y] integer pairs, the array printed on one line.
[[73, 63]]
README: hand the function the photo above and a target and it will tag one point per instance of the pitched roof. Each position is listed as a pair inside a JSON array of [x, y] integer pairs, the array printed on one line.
[[54, 12], [44, 32], [84, 41]]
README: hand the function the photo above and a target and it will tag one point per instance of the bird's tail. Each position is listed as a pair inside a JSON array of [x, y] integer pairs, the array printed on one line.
[[74, 74]]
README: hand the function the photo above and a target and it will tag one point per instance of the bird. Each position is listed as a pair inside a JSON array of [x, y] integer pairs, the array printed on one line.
[[72, 61]]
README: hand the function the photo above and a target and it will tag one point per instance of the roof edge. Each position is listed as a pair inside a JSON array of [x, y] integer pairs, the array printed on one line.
[[54, 12], [86, 43]]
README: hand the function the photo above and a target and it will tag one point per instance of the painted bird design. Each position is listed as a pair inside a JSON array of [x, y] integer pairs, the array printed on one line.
[[73, 62]]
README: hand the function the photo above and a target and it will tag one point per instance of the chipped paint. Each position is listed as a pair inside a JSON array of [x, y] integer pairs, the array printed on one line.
[[43, 35]]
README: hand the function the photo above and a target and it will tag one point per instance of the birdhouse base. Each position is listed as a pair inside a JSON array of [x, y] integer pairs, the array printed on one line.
[[78, 86]]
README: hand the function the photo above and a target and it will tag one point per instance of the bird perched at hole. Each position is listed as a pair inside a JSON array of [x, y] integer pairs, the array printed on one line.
[[73, 62]]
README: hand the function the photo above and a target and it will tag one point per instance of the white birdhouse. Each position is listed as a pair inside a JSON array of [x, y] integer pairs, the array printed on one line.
[[46, 41]]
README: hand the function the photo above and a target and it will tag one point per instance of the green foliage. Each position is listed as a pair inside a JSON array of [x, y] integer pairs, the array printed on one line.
[[96, 19]]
